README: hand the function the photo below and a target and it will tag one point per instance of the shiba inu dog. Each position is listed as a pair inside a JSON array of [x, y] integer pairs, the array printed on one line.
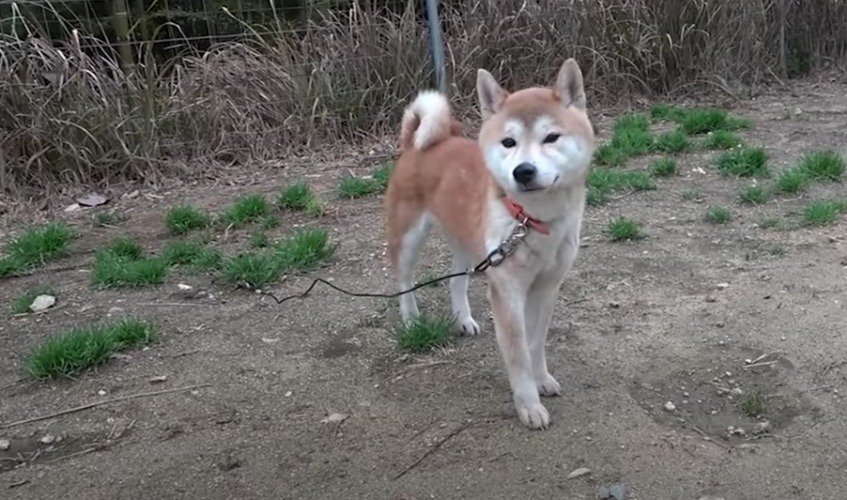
[[522, 182]]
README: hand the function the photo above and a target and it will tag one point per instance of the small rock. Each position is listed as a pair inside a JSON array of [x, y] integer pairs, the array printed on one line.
[[42, 302], [158, 379], [183, 286], [582, 471], [335, 418], [114, 310], [72, 208], [669, 406], [763, 427], [130, 195], [737, 391], [47, 439], [710, 497], [101, 392], [711, 298], [5, 444], [722, 286], [288, 394], [92, 200], [614, 304], [615, 491], [267, 340]]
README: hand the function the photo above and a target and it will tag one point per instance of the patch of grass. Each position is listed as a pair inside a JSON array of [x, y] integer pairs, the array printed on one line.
[[36, 246], [247, 208], [825, 212], [300, 196], [304, 251], [721, 139], [113, 269], [692, 195], [182, 252], [269, 222], [253, 269], [791, 180], [664, 167], [718, 215], [184, 218], [753, 195], [21, 304], [701, 121], [624, 229], [666, 112], [823, 166], [259, 239], [108, 219], [630, 137], [207, 260], [610, 156], [675, 141], [743, 162], [125, 247], [603, 182], [71, 353], [752, 404], [425, 332], [357, 187]]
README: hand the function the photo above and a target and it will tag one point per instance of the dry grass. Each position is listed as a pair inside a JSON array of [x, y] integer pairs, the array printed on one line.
[[71, 116]]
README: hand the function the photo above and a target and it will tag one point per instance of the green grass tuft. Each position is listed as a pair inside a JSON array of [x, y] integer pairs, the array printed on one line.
[[208, 260], [182, 253], [822, 213], [721, 139], [108, 219], [21, 304], [792, 180], [603, 182], [71, 353], [425, 332], [823, 166], [675, 141], [624, 229], [125, 247], [259, 239], [121, 264], [753, 195], [305, 250], [753, 404], [664, 167], [253, 269], [357, 187], [666, 112], [718, 215], [36, 246], [300, 196], [701, 121], [269, 222], [744, 162], [184, 218], [247, 208]]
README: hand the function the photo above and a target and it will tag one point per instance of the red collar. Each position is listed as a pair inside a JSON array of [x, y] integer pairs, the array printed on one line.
[[518, 213]]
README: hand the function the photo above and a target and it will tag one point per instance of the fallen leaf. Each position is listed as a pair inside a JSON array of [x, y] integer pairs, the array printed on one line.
[[335, 418], [92, 200], [582, 471]]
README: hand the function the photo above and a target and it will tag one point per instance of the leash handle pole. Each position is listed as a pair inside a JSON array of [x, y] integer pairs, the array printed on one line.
[[436, 44]]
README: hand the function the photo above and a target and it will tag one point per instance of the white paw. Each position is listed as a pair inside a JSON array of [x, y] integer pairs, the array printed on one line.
[[467, 326], [534, 416], [548, 386]]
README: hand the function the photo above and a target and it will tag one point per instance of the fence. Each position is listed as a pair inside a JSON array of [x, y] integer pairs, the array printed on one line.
[[96, 90]]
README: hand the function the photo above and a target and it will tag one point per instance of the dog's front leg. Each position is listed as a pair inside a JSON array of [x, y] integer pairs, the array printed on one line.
[[508, 303], [539, 309]]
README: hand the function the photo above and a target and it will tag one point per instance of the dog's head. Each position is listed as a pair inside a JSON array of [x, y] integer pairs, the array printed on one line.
[[537, 139]]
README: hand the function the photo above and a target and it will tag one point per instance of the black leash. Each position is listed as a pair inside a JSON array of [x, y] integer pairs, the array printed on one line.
[[494, 259]]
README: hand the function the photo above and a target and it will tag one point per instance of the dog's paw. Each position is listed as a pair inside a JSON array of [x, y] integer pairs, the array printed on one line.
[[548, 386], [534, 416], [467, 326]]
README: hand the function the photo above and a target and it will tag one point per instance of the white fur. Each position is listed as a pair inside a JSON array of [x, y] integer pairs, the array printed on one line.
[[433, 111]]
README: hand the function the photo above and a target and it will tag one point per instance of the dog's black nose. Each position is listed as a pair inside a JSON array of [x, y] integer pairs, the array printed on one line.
[[524, 173]]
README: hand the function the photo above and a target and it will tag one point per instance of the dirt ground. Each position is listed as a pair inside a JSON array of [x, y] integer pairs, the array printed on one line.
[[671, 318]]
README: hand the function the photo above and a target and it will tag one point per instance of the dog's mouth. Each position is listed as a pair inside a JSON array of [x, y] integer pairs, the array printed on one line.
[[532, 186]]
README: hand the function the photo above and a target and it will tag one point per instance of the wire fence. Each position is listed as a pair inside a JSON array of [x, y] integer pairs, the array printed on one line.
[[92, 90]]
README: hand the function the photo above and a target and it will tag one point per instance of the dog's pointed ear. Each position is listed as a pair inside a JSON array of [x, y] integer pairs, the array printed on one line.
[[569, 85], [491, 95]]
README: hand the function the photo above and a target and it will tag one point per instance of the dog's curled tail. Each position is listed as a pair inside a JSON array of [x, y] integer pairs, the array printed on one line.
[[427, 121]]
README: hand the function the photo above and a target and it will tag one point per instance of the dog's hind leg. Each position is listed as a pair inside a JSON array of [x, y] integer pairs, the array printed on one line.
[[465, 323], [409, 247]]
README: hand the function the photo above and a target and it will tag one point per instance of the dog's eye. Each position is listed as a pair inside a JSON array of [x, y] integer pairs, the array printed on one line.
[[551, 138], [508, 142]]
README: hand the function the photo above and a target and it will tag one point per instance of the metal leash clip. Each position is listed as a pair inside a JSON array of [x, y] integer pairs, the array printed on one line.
[[506, 248]]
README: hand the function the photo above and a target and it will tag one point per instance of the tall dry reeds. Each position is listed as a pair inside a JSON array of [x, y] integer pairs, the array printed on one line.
[[71, 113]]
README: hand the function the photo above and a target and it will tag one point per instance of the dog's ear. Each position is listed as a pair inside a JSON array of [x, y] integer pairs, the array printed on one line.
[[491, 95], [569, 85]]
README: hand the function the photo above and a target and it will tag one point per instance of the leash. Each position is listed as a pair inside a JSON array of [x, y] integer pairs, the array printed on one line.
[[506, 248]]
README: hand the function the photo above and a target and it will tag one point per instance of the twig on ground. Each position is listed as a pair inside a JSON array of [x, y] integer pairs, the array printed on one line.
[[710, 438], [434, 448], [100, 403]]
